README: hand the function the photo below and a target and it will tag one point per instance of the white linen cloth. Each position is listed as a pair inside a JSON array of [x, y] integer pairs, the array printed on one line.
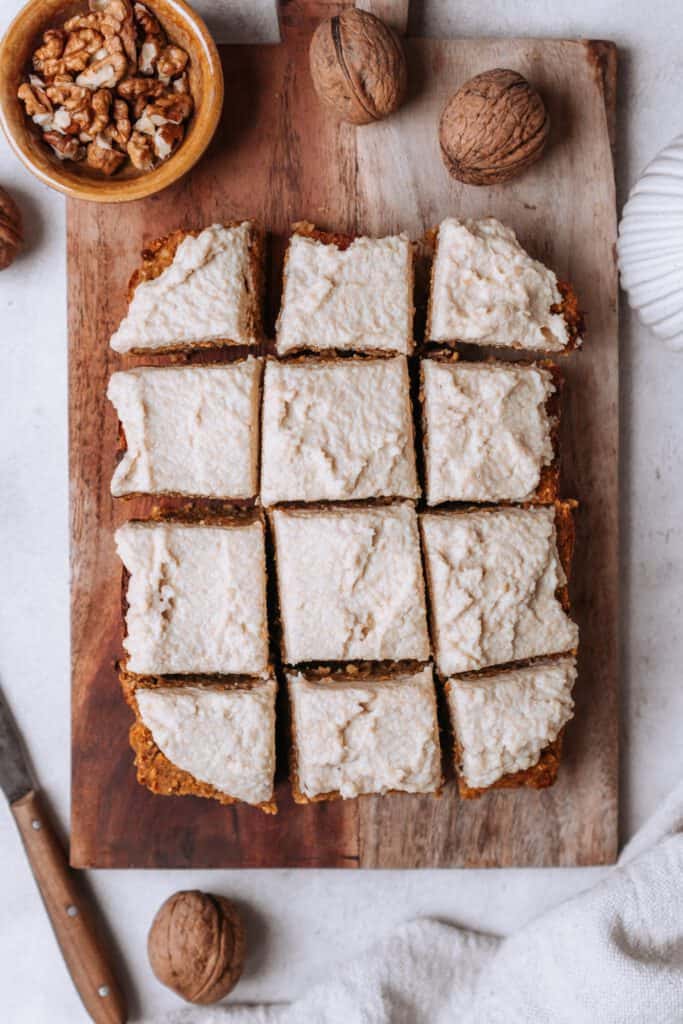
[[612, 955]]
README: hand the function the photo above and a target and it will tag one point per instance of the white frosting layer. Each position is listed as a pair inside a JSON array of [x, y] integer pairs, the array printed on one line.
[[503, 722], [337, 431], [223, 737], [486, 290], [350, 584], [189, 430], [196, 598], [358, 299], [492, 579], [203, 296], [487, 431], [357, 736]]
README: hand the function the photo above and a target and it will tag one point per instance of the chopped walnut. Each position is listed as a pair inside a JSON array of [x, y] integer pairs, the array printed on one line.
[[52, 48], [134, 88], [65, 146], [141, 151], [69, 95], [35, 100], [60, 65], [101, 105], [147, 21], [122, 125], [102, 156], [61, 53], [85, 41], [72, 114], [62, 121], [149, 55], [175, 108], [104, 73], [104, 70], [172, 62], [116, 21], [82, 21], [129, 38], [118, 10], [167, 139]]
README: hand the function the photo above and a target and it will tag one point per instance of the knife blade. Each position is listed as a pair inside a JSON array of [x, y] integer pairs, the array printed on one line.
[[15, 775], [67, 906]]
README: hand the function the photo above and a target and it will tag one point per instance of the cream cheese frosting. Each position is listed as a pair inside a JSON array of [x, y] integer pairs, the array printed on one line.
[[492, 579], [487, 430], [204, 295], [356, 299], [196, 598], [503, 722], [362, 736], [337, 430], [224, 737], [350, 584], [189, 430], [486, 290]]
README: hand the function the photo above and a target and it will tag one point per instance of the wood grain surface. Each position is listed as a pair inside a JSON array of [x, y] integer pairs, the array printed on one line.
[[279, 157]]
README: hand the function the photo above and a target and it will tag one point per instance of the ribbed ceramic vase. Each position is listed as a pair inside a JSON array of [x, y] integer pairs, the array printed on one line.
[[650, 246]]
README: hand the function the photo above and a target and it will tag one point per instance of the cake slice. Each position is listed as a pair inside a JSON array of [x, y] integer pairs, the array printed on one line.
[[196, 289], [489, 431], [350, 584], [188, 430], [486, 290], [204, 738], [361, 734], [507, 725], [346, 294], [196, 597], [497, 585], [337, 430]]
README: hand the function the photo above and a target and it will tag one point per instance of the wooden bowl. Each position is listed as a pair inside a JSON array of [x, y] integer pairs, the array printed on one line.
[[183, 27]]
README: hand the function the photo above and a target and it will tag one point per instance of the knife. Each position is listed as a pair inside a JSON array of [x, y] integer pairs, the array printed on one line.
[[69, 913]]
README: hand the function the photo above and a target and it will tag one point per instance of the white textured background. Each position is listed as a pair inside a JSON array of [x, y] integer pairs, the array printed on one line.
[[302, 922]]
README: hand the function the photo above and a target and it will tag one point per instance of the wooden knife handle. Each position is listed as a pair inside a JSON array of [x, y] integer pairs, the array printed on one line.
[[70, 916]]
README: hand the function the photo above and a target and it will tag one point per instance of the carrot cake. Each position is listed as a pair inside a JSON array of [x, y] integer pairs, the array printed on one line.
[[350, 584], [196, 597], [506, 722], [487, 432], [496, 586], [191, 430], [205, 739], [196, 289], [486, 290], [346, 294], [337, 430], [353, 735]]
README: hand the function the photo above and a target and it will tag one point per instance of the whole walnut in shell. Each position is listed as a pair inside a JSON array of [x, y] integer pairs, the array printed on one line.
[[196, 946], [11, 233], [493, 128], [358, 66]]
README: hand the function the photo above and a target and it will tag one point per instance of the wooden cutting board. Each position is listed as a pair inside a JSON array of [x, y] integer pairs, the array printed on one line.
[[279, 157]]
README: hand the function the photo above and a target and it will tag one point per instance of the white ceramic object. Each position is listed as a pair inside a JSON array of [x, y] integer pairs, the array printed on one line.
[[650, 246]]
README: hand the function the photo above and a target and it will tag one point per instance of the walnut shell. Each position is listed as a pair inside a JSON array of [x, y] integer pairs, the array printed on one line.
[[358, 66], [11, 233], [196, 946], [493, 128]]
